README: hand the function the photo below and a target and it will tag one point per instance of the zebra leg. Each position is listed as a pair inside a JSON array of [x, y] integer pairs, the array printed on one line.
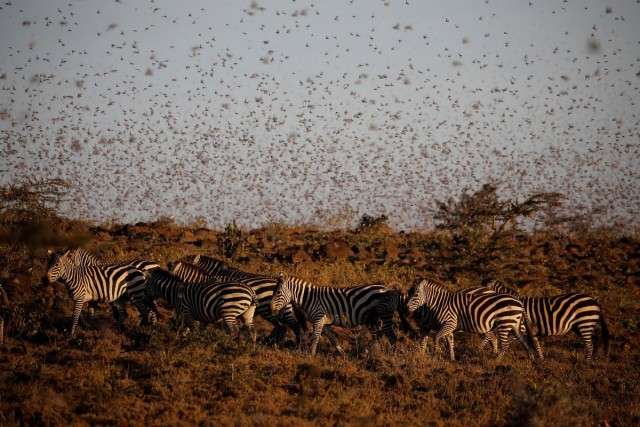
[[247, 318], [586, 334], [231, 325], [333, 339], [189, 321], [449, 339], [151, 305], [517, 332], [424, 337], [387, 330], [148, 316], [318, 324], [77, 311], [91, 310], [446, 332], [503, 337], [489, 338], [119, 313]]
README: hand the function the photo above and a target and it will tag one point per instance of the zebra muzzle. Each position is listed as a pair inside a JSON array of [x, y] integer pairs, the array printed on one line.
[[275, 310]]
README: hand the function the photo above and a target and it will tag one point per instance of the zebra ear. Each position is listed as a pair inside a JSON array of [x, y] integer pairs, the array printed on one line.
[[282, 276]]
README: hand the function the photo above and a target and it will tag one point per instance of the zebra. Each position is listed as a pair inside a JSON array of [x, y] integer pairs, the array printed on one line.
[[427, 319], [481, 313], [559, 314], [206, 302], [82, 257], [111, 283], [263, 286], [331, 306]]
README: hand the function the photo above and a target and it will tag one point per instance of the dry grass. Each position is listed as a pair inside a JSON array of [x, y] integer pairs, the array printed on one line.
[[158, 376]]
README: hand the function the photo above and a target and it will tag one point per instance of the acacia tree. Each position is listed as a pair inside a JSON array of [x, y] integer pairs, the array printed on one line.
[[33, 200], [484, 229], [28, 209]]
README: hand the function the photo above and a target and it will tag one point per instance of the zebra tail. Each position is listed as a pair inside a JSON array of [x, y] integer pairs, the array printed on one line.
[[605, 335]]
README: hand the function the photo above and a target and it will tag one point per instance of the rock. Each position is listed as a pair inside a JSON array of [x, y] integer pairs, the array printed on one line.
[[300, 256], [336, 250], [206, 235], [187, 237], [293, 254]]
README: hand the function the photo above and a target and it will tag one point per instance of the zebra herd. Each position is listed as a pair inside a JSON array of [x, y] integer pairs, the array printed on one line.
[[209, 290]]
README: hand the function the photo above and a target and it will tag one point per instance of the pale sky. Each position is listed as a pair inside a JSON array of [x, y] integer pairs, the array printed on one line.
[[300, 112]]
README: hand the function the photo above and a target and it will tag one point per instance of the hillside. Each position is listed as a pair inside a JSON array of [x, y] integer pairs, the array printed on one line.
[[157, 375]]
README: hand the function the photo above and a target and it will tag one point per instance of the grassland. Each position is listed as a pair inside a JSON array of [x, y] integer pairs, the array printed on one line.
[[156, 375]]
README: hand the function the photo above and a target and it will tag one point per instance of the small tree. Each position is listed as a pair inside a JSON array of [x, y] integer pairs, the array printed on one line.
[[484, 229], [27, 211], [32, 201], [230, 241], [368, 222]]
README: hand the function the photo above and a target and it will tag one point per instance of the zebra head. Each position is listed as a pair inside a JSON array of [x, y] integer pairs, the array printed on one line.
[[416, 296], [281, 294], [56, 267]]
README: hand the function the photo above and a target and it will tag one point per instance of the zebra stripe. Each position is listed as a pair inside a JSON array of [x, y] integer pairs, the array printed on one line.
[[331, 306], [113, 284], [560, 314], [206, 302], [450, 311], [264, 286]]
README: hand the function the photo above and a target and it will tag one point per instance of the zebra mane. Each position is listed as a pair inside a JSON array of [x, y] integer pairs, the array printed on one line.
[[497, 286], [432, 284], [164, 274], [285, 278], [184, 269], [82, 256]]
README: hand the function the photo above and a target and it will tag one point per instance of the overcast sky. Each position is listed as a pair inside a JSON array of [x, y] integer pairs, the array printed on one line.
[[304, 112]]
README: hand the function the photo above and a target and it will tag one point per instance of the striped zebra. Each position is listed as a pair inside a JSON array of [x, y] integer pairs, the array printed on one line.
[[114, 284], [560, 314], [264, 286], [481, 313], [206, 302], [325, 306], [81, 257], [427, 319]]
